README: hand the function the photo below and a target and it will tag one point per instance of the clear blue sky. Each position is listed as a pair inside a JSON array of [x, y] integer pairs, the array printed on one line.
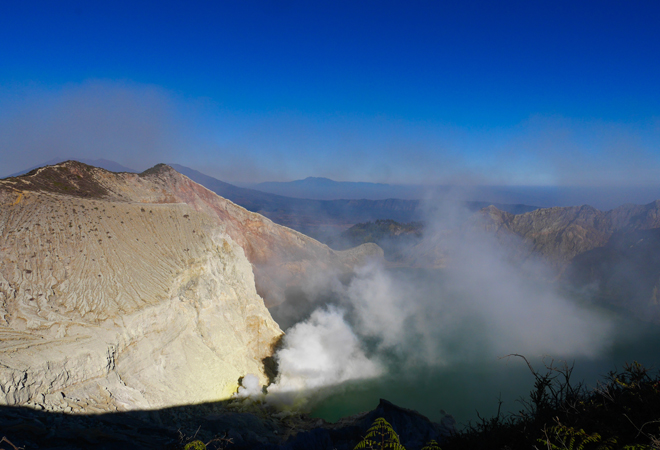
[[529, 92]]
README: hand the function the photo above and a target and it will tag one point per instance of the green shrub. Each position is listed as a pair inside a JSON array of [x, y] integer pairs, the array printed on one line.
[[431, 445], [195, 445], [622, 412], [380, 436]]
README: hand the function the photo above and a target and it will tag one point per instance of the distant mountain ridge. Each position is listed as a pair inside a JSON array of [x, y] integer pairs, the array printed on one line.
[[601, 197], [321, 218], [320, 188], [561, 233]]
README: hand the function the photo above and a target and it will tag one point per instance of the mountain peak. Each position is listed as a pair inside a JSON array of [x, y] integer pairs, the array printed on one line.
[[101, 163], [323, 179], [79, 179], [68, 177], [158, 169]]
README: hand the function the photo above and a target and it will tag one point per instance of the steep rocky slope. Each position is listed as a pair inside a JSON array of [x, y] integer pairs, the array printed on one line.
[[561, 233], [624, 273], [558, 234], [126, 290], [607, 257]]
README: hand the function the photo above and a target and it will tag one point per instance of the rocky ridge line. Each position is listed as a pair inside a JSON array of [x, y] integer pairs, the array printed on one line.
[[125, 290]]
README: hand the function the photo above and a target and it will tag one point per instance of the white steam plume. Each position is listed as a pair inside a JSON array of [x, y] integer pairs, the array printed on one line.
[[486, 303], [320, 352]]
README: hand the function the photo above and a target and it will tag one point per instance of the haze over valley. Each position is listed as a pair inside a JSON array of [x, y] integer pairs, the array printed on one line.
[[329, 225], [352, 319]]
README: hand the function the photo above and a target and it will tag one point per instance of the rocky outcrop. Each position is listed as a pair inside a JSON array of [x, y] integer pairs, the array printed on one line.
[[122, 290], [562, 233], [558, 234], [280, 257], [624, 273]]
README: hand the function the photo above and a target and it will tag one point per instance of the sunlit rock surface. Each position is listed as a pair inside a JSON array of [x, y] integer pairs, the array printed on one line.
[[122, 291], [562, 233], [558, 234]]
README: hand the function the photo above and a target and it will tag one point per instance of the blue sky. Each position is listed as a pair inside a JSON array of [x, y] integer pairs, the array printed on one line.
[[522, 93]]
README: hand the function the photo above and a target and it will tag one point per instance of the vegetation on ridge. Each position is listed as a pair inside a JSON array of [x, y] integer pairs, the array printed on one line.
[[623, 412], [380, 436]]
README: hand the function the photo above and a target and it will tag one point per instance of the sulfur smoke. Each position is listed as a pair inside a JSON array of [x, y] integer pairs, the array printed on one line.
[[486, 303]]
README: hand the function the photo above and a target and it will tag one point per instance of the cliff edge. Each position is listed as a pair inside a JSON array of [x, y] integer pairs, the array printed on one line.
[[121, 291]]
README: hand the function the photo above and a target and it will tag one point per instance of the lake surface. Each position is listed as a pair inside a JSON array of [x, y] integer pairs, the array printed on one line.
[[468, 388], [476, 385]]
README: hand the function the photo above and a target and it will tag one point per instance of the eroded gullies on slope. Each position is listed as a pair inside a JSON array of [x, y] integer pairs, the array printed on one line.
[[115, 304]]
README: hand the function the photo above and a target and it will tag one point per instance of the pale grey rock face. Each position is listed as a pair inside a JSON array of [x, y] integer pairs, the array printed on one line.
[[112, 304], [121, 291]]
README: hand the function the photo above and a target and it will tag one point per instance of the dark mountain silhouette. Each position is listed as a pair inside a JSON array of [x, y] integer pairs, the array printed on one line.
[[320, 188], [601, 197], [323, 219]]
